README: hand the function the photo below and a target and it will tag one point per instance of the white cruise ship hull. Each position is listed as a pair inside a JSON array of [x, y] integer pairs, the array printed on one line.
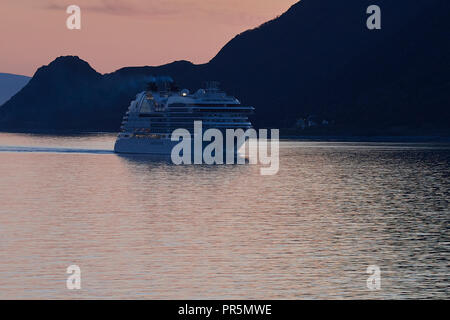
[[144, 146], [134, 145]]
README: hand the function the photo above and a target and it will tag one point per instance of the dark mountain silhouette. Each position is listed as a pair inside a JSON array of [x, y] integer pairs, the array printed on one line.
[[10, 84], [316, 59], [69, 95]]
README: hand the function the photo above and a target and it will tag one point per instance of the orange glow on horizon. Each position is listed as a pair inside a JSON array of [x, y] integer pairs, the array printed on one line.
[[119, 33]]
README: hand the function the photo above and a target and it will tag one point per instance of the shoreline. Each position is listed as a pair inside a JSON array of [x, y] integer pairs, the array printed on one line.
[[317, 138], [380, 138]]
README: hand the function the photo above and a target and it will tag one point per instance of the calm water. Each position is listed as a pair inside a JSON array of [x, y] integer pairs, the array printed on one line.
[[140, 228]]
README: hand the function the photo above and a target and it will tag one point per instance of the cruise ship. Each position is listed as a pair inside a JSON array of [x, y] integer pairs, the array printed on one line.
[[155, 113]]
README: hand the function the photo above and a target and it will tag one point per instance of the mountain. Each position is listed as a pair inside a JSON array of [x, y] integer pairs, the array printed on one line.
[[69, 95], [10, 84], [318, 58]]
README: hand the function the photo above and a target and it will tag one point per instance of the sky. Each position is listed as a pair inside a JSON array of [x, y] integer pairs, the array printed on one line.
[[120, 33]]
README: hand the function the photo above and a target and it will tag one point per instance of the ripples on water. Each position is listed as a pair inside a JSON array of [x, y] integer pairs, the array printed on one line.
[[143, 228]]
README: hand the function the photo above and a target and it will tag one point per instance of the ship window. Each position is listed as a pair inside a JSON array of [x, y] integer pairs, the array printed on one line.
[[145, 107]]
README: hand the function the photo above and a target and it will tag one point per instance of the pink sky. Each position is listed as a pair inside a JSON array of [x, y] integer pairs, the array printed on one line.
[[119, 33]]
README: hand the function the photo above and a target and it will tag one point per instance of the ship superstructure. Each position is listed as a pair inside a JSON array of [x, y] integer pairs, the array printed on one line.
[[155, 113]]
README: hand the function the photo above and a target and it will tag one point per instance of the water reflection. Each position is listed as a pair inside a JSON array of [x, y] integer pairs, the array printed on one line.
[[140, 227], [152, 159]]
